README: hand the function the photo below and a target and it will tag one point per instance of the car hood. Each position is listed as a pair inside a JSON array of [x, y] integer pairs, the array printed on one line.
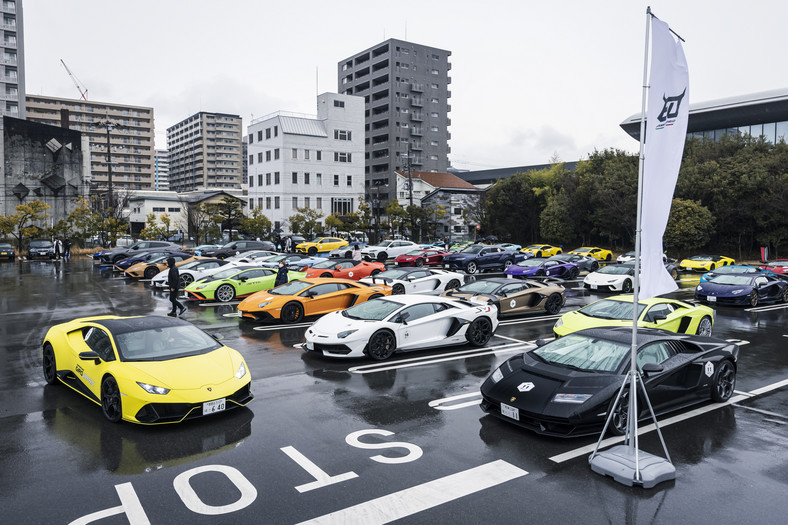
[[724, 290], [191, 372], [522, 270], [459, 256], [601, 278]]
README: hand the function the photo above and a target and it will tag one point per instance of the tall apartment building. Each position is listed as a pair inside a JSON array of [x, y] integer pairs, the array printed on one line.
[[205, 152], [12, 66], [130, 137], [161, 172], [306, 161], [406, 93]]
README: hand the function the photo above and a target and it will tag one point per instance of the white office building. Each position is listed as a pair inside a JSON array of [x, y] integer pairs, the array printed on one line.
[[308, 161]]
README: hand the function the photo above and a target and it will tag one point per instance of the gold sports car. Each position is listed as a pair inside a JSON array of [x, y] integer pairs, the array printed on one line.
[[291, 302], [148, 369], [150, 269], [513, 296]]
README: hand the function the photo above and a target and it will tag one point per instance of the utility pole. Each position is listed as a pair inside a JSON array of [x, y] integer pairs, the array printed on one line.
[[110, 127], [410, 194]]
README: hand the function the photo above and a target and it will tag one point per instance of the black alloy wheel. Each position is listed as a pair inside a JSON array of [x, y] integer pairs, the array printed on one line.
[[594, 266], [479, 332], [753, 298], [110, 400], [572, 274], [785, 295], [382, 256], [627, 286], [553, 304], [311, 251], [292, 313], [419, 262], [326, 274], [50, 365], [724, 382], [397, 289], [381, 345], [618, 423], [150, 272], [451, 285]]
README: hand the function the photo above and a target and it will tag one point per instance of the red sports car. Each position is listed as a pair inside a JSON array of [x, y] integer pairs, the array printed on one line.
[[777, 266], [428, 257], [345, 269]]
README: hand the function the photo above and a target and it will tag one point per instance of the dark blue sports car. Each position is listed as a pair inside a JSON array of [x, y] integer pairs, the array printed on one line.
[[481, 257], [541, 267], [743, 289]]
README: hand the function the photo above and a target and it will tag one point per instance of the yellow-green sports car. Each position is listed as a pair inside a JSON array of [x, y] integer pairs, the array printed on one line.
[[705, 263], [237, 281], [599, 254], [147, 369], [320, 245], [655, 312], [541, 250]]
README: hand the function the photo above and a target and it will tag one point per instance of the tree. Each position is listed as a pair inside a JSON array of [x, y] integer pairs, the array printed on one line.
[[397, 215], [256, 224], [83, 221], [690, 226], [335, 223], [476, 212], [556, 222], [305, 221], [364, 219], [152, 230], [198, 222], [226, 214], [19, 224]]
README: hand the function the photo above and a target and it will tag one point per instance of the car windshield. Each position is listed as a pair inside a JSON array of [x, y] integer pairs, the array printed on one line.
[[374, 310], [616, 269], [415, 252], [158, 259], [531, 263], [610, 309], [5, 245], [472, 249], [534, 247], [326, 264], [40, 244], [384, 244], [702, 258], [226, 274], [164, 343], [582, 250], [479, 287], [736, 280], [583, 353], [629, 254], [735, 269], [191, 264], [291, 288], [393, 274]]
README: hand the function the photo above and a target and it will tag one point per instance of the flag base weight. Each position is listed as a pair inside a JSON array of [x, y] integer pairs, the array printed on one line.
[[619, 463]]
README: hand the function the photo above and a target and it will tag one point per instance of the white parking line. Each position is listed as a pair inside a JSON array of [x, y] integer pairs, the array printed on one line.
[[764, 412], [510, 339], [766, 308], [566, 456], [228, 303], [531, 320], [281, 327], [445, 403], [422, 497]]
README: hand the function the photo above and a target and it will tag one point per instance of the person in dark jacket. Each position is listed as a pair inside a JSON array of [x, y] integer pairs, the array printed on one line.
[[281, 274], [174, 282]]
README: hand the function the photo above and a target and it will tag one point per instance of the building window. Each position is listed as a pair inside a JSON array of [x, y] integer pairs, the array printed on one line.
[[458, 229], [339, 104], [457, 211], [251, 180], [319, 179], [267, 133], [276, 202], [268, 203], [306, 178], [433, 128], [173, 210], [336, 180], [251, 159], [342, 205], [350, 180], [276, 131], [306, 154], [260, 156], [319, 155], [342, 134], [276, 154], [295, 202], [434, 100], [251, 138], [267, 179], [276, 177], [159, 210], [259, 135], [433, 157], [295, 177], [260, 179], [434, 86], [319, 203], [295, 153], [341, 156], [434, 114]]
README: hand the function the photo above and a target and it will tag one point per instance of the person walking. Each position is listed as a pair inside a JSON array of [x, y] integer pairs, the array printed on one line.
[[281, 274], [357, 252], [58, 248], [67, 248], [174, 282], [288, 245]]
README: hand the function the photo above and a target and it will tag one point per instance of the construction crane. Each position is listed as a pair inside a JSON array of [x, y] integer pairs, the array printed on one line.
[[82, 94]]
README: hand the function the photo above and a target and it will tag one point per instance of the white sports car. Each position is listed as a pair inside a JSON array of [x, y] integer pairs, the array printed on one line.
[[387, 250], [611, 278], [255, 255], [190, 272], [402, 323], [417, 280]]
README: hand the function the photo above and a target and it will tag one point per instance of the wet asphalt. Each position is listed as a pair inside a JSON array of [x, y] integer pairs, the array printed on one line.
[[360, 442]]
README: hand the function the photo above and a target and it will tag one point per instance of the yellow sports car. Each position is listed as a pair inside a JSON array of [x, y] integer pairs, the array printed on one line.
[[320, 245], [655, 312], [705, 263], [541, 250], [147, 369], [599, 254]]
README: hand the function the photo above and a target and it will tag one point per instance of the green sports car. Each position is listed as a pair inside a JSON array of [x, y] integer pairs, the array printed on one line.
[[238, 281], [656, 312]]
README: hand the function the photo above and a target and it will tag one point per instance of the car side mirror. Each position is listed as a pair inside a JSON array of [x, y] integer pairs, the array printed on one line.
[[90, 355], [652, 368], [311, 294], [540, 342], [660, 317], [403, 318], [217, 336], [339, 267]]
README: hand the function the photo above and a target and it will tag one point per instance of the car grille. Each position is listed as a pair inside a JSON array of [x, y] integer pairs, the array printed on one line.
[[174, 412], [333, 349]]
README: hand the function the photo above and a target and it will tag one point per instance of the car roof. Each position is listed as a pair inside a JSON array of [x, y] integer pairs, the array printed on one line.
[[122, 325], [623, 334], [408, 300]]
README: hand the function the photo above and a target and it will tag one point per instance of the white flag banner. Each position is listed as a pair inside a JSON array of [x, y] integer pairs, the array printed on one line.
[[666, 130]]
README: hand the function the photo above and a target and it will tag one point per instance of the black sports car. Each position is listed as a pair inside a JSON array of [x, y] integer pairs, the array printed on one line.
[[566, 387]]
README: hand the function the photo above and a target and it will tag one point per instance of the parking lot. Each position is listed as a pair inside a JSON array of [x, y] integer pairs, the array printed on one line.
[[327, 441]]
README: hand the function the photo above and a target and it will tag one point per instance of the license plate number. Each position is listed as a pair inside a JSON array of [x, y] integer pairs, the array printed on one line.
[[712, 298], [593, 287], [211, 407], [510, 411]]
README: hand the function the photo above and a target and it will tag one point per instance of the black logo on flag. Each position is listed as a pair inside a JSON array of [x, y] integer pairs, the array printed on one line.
[[671, 107]]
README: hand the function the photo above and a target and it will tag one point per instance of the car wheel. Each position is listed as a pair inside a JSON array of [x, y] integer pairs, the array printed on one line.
[[225, 293], [712, 267], [292, 313], [110, 400], [674, 273], [419, 262], [559, 251], [375, 272], [150, 272], [507, 263], [479, 332], [381, 345], [618, 423], [471, 267], [185, 280], [538, 254], [753, 298], [326, 274], [785, 295], [348, 255], [627, 286], [724, 382], [594, 266], [608, 257], [451, 285], [117, 259], [554, 303], [312, 251], [375, 296], [704, 326], [50, 365], [382, 256], [572, 274], [397, 289]]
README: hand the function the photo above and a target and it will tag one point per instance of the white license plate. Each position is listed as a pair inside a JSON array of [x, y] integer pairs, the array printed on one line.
[[593, 287], [510, 411], [211, 407], [712, 298]]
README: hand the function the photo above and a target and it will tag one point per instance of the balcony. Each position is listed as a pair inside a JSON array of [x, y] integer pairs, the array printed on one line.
[[416, 146], [416, 132], [416, 117], [417, 102], [417, 88]]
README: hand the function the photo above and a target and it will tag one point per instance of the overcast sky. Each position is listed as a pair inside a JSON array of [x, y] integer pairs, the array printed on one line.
[[529, 79]]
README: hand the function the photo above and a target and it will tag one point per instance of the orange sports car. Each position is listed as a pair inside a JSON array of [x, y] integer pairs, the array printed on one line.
[[291, 302], [149, 269], [345, 269]]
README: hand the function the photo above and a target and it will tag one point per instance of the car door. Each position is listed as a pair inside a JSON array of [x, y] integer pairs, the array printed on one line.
[[255, 280], [661, 315], [421, 281], [88, 371], [679, 379], [324, 298], [420, 327], [768, 288], [553, 269]]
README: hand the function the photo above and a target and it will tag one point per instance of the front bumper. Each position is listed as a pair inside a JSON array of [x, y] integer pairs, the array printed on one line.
[[541, 424], [157, 413], [733, 300]]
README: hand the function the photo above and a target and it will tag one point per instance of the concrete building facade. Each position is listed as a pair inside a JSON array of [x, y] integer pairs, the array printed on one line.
[[130, 137], [161, 170], [12, 65], [406, 94], [306, 161], [205, 152]]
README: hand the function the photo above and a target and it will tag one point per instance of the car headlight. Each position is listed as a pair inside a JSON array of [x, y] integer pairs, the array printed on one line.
[[342, 335], [264, 304], [700, 287], [497, 375], [151, 389], [571, 398], [737, 292], [558, 323], [241, 371], [201, 287]]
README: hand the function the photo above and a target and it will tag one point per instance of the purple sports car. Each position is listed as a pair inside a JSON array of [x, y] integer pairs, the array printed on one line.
[[541, 267]]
